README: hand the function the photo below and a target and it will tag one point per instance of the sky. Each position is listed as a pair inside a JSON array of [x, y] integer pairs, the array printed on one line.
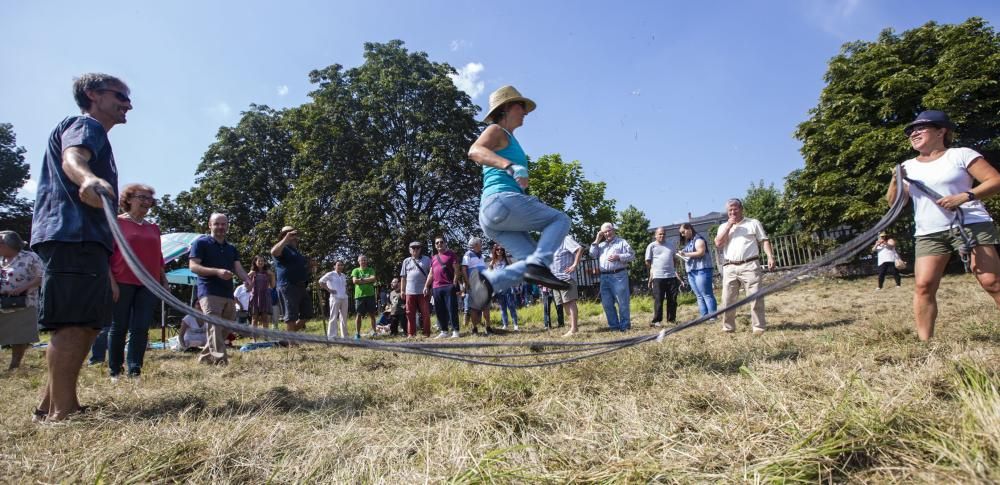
[[677, 106]]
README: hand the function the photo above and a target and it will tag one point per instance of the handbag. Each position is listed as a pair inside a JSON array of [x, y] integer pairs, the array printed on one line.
[[9, 301], [900, 264]]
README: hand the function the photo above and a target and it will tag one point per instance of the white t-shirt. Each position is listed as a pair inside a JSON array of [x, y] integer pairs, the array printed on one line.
[[744, 242], [242, 296], [194, 336], [661, 257], [948, 175], [416, 276], [337, 282], [886, 254], [472, 261]]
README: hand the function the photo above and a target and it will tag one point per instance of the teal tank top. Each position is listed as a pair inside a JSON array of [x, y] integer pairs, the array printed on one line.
[[496, 180]]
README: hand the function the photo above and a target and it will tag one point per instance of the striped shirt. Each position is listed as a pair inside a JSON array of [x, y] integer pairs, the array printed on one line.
[[563, 258], [618, 246]]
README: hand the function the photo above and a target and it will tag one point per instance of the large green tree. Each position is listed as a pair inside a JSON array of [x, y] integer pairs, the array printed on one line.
[[375, 159], [766, 204], [562, 185], [244, 174], [15, 212], [395, 149], [634, 228], [853, 138]]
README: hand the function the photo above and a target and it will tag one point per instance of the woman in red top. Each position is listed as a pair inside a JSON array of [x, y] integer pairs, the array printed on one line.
[[134, 303]]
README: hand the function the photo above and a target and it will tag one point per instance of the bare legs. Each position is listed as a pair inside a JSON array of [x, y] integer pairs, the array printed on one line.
[[927, 274], [17, 355], [65, 355]]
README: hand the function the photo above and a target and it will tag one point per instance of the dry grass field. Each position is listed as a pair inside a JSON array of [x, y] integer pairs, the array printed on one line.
[[838, 390]]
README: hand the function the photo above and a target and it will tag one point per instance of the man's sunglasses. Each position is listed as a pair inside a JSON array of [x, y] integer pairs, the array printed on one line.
[[120, 96]]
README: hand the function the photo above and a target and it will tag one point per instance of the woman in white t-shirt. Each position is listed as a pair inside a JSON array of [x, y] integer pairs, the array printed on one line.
[[885, 253], [950, 172]]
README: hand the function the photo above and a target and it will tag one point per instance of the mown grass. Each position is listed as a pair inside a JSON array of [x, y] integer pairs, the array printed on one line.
[[838, 390]]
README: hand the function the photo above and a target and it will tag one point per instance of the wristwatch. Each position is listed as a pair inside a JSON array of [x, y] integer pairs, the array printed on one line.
[[972, 196]]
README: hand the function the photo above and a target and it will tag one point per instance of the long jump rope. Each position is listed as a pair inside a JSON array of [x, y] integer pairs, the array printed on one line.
[[540, 353]]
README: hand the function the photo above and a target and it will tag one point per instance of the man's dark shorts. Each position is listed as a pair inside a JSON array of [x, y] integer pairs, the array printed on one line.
[[365, 305], [298, 302], [76, 290]]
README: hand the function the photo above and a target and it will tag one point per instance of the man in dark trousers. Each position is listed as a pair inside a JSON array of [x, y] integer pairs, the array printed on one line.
[[293, 279]]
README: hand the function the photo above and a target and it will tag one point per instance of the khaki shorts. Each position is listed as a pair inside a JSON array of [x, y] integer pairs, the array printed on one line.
[[566, 296], [944, 242]]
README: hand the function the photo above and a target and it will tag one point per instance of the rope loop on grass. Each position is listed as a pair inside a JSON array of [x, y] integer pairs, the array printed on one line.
[[559, 352]]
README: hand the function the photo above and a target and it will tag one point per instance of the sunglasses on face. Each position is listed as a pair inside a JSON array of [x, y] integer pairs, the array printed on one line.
[[120, 96]]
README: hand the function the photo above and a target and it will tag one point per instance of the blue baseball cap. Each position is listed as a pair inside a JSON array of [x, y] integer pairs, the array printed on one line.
[[930, 117]]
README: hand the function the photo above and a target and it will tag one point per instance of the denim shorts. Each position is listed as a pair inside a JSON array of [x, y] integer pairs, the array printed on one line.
[[76, 289]]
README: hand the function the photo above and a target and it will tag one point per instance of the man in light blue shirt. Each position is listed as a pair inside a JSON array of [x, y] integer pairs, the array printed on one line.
[[613, 255]]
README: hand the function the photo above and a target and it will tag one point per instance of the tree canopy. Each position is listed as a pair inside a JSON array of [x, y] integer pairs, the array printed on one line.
[[377, 158], [767, 204], [634, 228], [853, 138], [15, 212], [563, 186]]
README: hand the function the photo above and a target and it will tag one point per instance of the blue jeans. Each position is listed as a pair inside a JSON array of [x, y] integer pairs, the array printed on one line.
[[132, 314], [99, 351], [508, 217], [614, 289], [507, 301], [701, 283], [446, 308]]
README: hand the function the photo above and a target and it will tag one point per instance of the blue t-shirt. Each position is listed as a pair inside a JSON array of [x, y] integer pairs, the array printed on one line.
[[59, 214], [496, 180], [291, 267], [214, 254]]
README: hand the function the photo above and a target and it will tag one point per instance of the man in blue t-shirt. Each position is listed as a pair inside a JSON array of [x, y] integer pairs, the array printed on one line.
[[293, 279], [215, 261], [72, 237]]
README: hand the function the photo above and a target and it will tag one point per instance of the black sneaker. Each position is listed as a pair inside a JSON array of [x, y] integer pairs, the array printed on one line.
[[541, 275], [480, 291]]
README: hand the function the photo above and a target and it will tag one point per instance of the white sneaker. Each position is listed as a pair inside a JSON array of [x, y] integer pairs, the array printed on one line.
[[442, 335], [503, 327], [114, 379], [515, 327], [454, 334]]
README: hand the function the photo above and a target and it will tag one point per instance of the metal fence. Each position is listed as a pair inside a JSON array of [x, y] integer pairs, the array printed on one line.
[[795, 250]]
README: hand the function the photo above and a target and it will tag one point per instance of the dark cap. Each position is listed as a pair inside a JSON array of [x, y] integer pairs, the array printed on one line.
[[930, 117], [416, 244]]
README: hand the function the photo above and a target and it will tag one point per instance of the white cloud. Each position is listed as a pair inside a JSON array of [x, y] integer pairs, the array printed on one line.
[[29, 189], [468, 80], [282, 90], [219, 110], [835, 17], [636, 92], [458, 44]]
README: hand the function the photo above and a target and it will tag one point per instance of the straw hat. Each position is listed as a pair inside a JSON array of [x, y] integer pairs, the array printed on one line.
[[504, 95]]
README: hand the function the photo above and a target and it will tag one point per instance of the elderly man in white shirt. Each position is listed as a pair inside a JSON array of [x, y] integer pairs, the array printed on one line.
[[336, 283], [740, 240], [613, 255]]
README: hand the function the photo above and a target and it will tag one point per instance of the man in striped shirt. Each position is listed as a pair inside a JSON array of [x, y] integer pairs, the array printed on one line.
[[613, 255]]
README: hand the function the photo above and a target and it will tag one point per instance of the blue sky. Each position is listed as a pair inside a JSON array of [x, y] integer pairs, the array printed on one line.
[[676, 105]]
